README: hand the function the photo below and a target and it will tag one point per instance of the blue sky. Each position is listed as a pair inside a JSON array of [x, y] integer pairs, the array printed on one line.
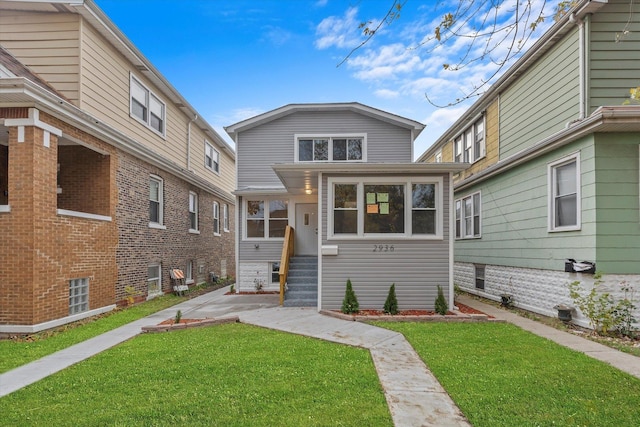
[[234, 59]]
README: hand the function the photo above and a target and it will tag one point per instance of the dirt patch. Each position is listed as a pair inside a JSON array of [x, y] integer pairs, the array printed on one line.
[[253, 293], [464, 313]]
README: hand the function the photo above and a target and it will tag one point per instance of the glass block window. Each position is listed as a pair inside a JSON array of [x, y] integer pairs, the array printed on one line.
[[78, 295]]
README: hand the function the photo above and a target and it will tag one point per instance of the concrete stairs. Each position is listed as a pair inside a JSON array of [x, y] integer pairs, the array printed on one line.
[[302, 282]]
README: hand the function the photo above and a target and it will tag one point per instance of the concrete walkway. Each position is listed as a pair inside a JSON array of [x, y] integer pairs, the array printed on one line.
[[623, 361], [414, 396]]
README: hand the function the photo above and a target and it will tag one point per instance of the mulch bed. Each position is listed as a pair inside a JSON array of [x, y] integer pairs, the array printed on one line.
[[463, 314], [254, 293]]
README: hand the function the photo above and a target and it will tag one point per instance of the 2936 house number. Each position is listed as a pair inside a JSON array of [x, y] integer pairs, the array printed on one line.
[[383, 248]]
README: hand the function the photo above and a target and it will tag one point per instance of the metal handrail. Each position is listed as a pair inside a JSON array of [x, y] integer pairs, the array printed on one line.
[[287, 253]]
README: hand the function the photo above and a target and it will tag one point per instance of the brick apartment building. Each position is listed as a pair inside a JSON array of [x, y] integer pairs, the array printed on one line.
[[108, 177]]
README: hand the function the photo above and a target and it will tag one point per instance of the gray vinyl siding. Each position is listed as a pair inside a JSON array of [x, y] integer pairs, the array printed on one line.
[[618, 232], [542, 100], [614, 67], [514, 218], [48, 44], [273, 142], [268, 249], [416, 267]]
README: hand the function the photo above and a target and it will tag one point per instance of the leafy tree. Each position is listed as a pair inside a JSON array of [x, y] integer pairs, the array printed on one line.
[[350, 301], [391, 304], [441, 303]]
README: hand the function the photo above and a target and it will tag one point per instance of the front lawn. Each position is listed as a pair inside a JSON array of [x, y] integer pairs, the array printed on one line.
[[500, 375], [226, 375], [18, 352]]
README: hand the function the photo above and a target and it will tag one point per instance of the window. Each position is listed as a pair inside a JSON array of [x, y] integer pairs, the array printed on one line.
[[439, 157], [396, 207], [564, 194], [193, 211], [479, 270], [154, 281], [269, 223], [469, 146], [330, 149], [468, 217], [189, 272], [78, 296], [211, 157], [155, 200], [225, 217], [275, 272], [146, 107], [216, 218]]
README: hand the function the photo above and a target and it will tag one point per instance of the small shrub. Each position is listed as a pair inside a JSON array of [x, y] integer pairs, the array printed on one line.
[[178, 317], [231, 289], [391, 304], [350, 301], [441, 303]]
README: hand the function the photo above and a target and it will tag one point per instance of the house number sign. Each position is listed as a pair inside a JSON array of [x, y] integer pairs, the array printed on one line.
[[383, 248]]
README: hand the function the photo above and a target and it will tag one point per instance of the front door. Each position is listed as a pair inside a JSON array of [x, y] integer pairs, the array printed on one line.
[[306, 229]]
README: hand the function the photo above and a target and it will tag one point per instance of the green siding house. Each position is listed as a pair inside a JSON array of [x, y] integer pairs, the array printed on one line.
[[554, 175]]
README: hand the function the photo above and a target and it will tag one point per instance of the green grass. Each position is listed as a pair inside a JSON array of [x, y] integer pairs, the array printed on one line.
[[14, 353], [227, 375], [500, 375]]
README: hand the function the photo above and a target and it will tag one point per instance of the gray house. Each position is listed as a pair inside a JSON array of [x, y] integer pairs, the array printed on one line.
[[329, 192], [554, 153]]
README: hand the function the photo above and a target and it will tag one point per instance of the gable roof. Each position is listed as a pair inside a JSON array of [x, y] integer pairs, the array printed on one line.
[[414, 126], [9, 63]]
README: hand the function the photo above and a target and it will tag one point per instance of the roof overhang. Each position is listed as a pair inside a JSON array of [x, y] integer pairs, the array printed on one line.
[[22, 92], [623, 118], [539, 48], [302, 178], [414, 126], [106, 28]]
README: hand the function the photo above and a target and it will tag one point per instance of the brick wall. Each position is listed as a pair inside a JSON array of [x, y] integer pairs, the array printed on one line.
[[141, 245]]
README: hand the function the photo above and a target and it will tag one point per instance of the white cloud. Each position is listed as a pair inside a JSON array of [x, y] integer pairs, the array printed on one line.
[[341, 32], [386, 93], [276, 35]]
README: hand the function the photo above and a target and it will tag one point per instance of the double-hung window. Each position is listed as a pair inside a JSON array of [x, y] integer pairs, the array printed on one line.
[[216, 218], [564, 194], [78, 296], [468, 217], [266, 218], [156, 187], [469, 146], [349, 148], [193, 211], [211, 158], [372, 207], [146, 106]]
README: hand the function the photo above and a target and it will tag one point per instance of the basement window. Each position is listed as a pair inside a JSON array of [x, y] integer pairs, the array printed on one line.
[[480, 270], [78, 296]]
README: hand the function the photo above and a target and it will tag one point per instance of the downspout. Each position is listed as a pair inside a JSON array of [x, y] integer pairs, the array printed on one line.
[[581, 51], [189, 142]]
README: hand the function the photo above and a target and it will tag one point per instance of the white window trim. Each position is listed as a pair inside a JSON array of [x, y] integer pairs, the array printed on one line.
[[197, 228], [225, 217], [212, 168], [216, 217], [439, 156], [160, 224], [266, 201], [330, 137], [159, 278], [463, 142], [463, 235], [551, 193], [372, 180], [147, 123]]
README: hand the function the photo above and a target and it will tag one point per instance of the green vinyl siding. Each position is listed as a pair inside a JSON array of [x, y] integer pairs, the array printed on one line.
[[543, 99], [617, 174], [515, 217], [614, 68]]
